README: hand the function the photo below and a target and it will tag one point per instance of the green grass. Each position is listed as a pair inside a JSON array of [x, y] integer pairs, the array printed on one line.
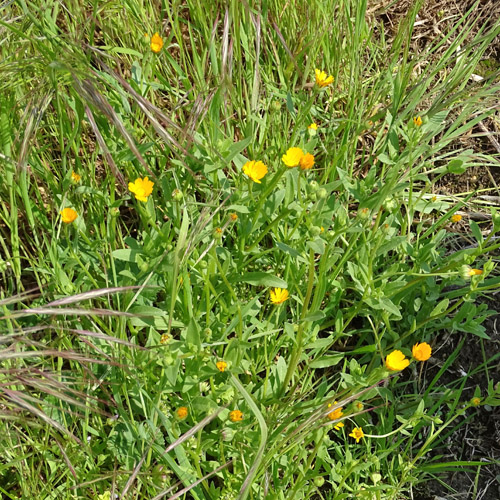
[[90, 391]]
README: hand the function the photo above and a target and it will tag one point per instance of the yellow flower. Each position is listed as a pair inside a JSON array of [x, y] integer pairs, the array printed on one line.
[[182, 413], [221, 365], [417, 121], [235, 416], [313, 126], [292, 157], [75, 177], [68, 215], [164, 338], [357, 433], [421, 352], [307, 161], [279, 295], [456, 218], [256, 170], [141, 188], [233, 217], [475, 272], [156, 43], [475, 401], [396, 361], [321, 79], [336, 415]]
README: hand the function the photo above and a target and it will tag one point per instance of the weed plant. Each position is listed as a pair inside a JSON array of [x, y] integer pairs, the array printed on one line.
[[193, 309]]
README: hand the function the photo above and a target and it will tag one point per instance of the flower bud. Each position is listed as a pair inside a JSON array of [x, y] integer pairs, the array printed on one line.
[[177, 195], [314, 231], [322, 193], [227, 435], [363, 213], [319, 481], [314, 186]]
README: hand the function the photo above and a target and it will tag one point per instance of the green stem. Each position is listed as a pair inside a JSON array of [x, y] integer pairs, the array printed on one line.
[[297, 351]]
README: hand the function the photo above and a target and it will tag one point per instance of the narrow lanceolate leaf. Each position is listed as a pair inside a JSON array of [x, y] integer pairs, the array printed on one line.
[[244, 491]]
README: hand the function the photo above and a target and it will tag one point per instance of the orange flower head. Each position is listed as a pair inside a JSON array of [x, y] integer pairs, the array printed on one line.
[[475, 401], [279, 295], [456, 218], [68, 215], [421, 352], [235, 416], [475, 272], [165, 338], [221, 366], [396, 361], [142, 188], [307, 161], [336, 415], [292, 157], [75, 177], [256, 170], [233, 217], [156, 43], [417, 120], [313, 126], [181, 413]]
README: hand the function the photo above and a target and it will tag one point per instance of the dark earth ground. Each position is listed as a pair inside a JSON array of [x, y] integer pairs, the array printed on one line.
[[478, 439]]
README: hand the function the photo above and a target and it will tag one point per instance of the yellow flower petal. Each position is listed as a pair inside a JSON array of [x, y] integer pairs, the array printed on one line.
[[156, 43], [396, 361], [256, 170], [292, 157], [421, 352], [322, 80], [279, 295], [357, 433], [68, 215], [142, 188]]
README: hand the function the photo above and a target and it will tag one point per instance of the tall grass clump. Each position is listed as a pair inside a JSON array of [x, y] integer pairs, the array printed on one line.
[[224, 270]]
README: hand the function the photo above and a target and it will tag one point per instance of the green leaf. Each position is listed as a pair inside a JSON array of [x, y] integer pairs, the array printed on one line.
[[237, 148], [289, 103], [385, 159], [126, 254], [315, 316], [326, 361], [193, 334], [262, 279], [440, 308], [457, 166], [476, 231], [318, 246]]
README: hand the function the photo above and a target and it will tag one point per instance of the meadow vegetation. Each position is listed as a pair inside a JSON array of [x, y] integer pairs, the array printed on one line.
[[224, 268]]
